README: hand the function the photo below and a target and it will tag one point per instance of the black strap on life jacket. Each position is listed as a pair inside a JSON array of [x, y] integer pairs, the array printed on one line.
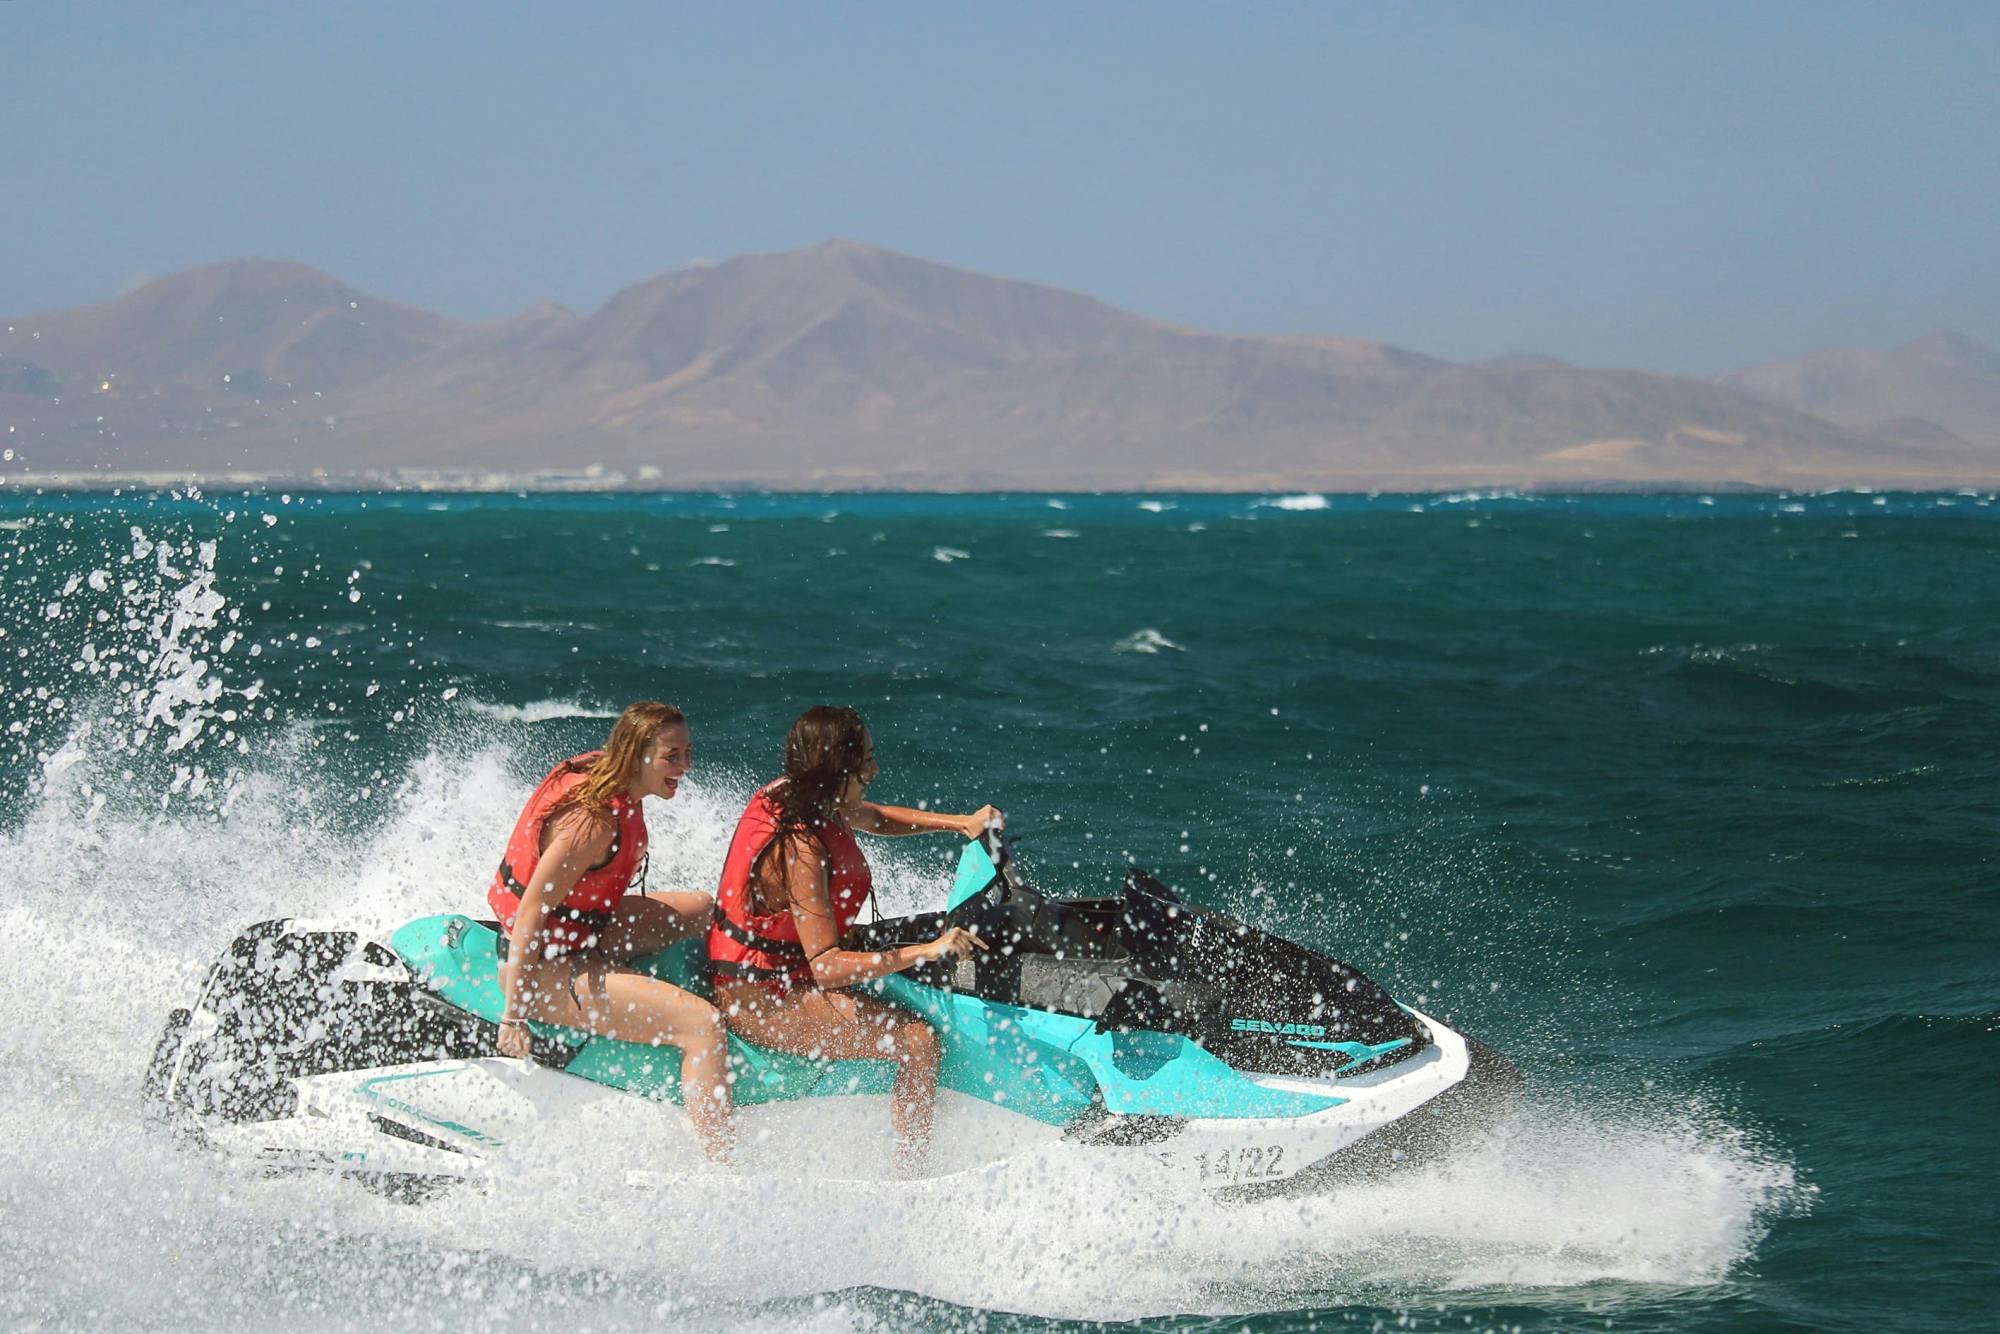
[[789, 950], [557, 910]]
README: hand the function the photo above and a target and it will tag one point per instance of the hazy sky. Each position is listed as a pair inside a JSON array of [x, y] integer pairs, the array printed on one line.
[[1679, 186]]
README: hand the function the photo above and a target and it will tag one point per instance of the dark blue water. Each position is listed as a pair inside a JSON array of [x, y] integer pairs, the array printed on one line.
[[1686, 803]]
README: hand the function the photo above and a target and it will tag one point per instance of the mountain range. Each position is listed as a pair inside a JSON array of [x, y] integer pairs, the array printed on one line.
[[845, 365]]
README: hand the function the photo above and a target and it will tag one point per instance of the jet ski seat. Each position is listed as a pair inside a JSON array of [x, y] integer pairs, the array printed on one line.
[[457, 961]]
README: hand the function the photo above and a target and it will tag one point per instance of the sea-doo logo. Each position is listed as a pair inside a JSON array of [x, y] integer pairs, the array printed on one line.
[[1281, 1030]]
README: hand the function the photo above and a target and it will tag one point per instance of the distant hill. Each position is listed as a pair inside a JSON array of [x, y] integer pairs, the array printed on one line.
[[1937, 388], [218, 366], [847, 365]]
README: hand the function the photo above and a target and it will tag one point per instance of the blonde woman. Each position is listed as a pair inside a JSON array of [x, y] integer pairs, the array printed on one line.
[[571, 925]]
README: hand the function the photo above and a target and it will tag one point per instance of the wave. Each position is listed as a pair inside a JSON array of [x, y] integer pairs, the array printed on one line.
[[1562, 1196], [1148, 640], [1472, 497], [538, 711], [1948, 1056], [1816, 680], [548, 627], [1308, 501], [1919, 775]]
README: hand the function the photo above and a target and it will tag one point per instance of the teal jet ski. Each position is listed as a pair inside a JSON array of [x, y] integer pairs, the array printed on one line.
[[1197, 1047]]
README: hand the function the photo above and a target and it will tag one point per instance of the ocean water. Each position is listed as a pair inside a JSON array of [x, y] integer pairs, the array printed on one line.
[[1690, 805]]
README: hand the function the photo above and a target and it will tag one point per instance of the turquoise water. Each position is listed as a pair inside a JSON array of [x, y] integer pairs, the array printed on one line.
[[1688, 804]]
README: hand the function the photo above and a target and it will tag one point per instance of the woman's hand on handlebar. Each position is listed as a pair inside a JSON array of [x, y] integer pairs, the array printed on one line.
[[515, 1040], [954, 943], [977, 823]]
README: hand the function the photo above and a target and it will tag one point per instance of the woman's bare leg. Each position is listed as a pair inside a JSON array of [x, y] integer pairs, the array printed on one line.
[[632, 1007], [841, 1026]]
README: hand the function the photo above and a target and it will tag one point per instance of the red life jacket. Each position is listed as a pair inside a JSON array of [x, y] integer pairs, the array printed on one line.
[[764, 947], [584, 912]]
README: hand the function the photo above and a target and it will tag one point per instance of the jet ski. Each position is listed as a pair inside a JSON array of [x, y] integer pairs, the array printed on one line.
[[1138, 1025]]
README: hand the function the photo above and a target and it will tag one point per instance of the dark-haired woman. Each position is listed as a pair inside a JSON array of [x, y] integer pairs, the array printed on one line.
[[561, 895], [793, 882]]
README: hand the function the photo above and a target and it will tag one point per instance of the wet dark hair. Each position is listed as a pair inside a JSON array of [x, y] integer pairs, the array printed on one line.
[[825, 746]]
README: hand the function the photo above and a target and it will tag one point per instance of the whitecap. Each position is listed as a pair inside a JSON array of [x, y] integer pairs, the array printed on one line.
[[538, 711], [1311, 500], [1156, 506], [950, 554], [1147, 640], [718, 561], [1469, 497], [1059, 532]]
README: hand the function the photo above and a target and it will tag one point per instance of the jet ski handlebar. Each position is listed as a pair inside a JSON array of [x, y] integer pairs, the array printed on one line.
[[999, 846]]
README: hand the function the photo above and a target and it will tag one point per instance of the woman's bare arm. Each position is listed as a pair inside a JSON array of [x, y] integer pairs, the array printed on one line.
[[898, 821], [577, 844], [803, 866]]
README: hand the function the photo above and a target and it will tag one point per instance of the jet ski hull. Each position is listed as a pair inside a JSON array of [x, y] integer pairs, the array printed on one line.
[[1138, 1028]]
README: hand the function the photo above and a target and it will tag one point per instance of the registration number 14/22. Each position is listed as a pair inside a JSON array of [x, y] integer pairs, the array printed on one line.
[[1251, 1163]]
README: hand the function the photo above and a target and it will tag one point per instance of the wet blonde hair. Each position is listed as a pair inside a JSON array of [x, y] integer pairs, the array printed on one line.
[[613, 770]]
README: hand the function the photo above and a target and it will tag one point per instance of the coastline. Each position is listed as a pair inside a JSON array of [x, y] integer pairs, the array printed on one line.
[[427, 481]]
